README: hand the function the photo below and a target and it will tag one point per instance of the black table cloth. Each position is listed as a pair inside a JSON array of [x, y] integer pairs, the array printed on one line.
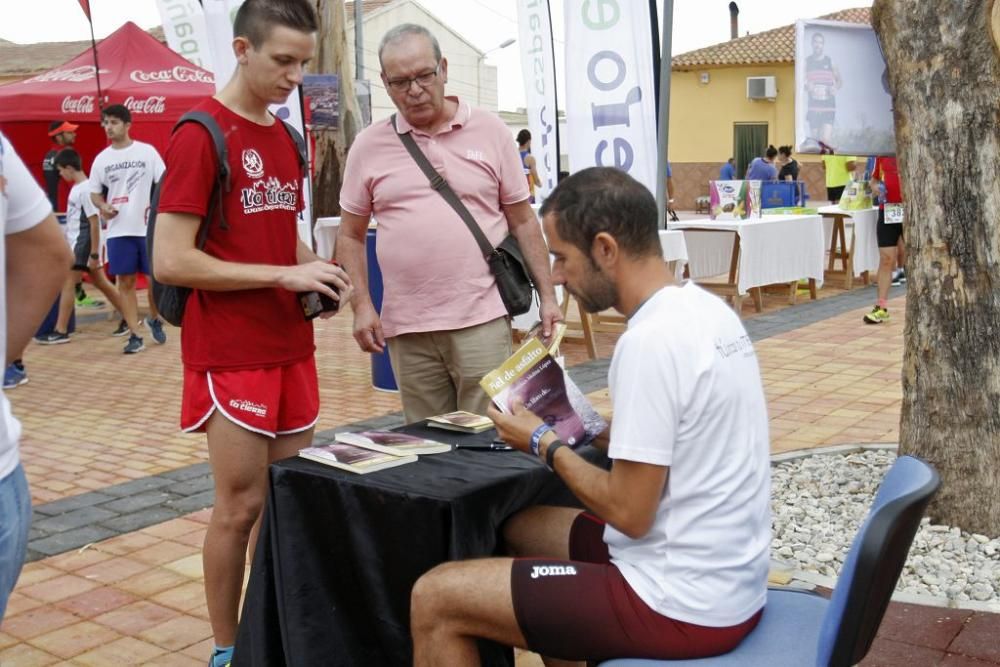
[[338, 552]]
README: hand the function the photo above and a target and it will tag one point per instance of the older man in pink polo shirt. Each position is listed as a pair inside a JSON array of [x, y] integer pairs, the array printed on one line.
[[441, 312]]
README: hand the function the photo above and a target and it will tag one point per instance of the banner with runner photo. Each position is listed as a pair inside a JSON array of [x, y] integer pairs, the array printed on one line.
[[842, 101]]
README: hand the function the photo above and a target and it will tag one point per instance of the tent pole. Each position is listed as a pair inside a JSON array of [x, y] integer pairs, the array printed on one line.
[[97, 68]]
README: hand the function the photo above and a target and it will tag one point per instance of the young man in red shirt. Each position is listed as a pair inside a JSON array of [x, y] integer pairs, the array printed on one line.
[[249, 369], [888, 231]]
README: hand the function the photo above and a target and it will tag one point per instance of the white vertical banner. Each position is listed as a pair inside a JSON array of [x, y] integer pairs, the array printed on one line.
[[610, 106], [186, 32], [219, 15], [535, 40]]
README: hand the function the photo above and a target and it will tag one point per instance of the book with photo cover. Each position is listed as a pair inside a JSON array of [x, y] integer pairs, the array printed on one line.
[[393, 442], [354, 459], [534, 376], [461, 421]]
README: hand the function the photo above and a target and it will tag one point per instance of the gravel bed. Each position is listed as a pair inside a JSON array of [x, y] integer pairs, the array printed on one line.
[[818, 503]]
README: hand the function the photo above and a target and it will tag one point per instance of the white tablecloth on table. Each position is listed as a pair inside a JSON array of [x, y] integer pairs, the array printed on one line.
[[862, 225], [325, 232], [674, 248], [773, 249]]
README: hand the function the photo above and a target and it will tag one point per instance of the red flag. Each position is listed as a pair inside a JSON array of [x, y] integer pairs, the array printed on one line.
[[85, 5]]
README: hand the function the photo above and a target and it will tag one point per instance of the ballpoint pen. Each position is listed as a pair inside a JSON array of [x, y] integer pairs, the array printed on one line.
[[490, 447]]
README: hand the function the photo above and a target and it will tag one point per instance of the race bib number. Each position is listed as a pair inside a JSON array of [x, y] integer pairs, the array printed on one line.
[[893, 214]]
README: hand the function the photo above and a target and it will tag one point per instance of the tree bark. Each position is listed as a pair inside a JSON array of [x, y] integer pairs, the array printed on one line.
[[331, 145], [944, 77]]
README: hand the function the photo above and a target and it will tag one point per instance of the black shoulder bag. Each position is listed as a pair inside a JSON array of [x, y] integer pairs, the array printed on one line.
[[506, 261]]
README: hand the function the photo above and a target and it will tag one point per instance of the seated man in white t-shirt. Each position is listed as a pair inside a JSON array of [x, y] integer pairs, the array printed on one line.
[[671, 561]]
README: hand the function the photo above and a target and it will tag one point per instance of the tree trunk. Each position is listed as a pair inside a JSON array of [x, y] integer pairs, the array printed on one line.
[[944, 76], [331, 145]]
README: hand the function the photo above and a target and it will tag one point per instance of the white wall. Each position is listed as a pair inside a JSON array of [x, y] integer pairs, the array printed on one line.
[[463, 59]]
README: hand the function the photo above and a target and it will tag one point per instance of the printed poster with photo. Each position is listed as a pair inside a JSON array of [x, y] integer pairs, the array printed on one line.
[[322, 93], [842, 101]]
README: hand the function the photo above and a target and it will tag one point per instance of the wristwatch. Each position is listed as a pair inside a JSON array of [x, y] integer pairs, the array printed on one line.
[[94, 255]]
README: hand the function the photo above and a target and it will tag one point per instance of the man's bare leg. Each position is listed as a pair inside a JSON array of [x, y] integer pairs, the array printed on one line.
[[456, 603], [130, 305], [101, 282], [239, 465], [282, 447]]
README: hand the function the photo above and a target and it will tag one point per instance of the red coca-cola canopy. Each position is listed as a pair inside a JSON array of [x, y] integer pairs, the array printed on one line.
[[153, 82]]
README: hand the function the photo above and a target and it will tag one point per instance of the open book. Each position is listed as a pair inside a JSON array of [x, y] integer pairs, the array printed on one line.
[[461, 421], [354, 459], [533, 376], [393, 442]]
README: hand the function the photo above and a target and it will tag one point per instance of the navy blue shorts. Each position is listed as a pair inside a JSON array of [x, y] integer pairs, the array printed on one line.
[[127, 255]]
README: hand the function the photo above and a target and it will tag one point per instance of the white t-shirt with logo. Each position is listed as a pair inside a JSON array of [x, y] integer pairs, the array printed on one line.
[[22, 206], [687, 394], [78, 203], [128, 174]]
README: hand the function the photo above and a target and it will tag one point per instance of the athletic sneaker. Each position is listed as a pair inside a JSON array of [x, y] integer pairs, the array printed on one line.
[[221, 657], [156, 328], [121, 330], [54, 338], [14, 376], [133, 345], [88, 302], [877, 316], [899, 276]]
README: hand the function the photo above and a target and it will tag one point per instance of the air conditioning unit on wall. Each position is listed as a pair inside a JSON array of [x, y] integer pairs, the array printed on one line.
[[761, 88]]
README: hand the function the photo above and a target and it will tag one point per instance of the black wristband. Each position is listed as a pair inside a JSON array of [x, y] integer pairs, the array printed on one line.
[[94, 255], [550, 453]]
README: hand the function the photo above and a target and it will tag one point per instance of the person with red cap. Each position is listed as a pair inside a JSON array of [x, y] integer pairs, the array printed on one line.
[[63, 135]]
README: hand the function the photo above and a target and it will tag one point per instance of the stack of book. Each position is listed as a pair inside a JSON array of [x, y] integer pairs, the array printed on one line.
[[368, 451]]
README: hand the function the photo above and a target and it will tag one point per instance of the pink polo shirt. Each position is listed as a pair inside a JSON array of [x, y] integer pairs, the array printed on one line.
[[434, 275]]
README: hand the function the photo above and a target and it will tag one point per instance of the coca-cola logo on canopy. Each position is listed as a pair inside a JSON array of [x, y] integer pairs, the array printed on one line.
[[77, 74], [177, 74], [152, 104], [82, 104]]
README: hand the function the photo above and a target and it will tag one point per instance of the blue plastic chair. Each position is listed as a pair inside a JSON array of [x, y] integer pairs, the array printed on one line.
[[802, 628]]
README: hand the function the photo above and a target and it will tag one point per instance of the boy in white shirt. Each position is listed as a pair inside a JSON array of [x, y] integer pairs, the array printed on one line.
[[83, 233], [128, 169]]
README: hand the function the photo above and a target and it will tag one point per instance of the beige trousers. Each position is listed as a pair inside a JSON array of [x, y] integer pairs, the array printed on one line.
[[439, 371]]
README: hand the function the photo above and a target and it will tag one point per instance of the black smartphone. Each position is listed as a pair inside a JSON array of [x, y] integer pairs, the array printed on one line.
[[315, 304]]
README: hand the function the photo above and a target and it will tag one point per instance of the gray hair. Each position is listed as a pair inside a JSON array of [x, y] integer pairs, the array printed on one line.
[[403, 30]]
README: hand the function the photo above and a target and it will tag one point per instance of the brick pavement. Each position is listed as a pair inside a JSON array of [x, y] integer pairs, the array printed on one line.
[[116, 572]]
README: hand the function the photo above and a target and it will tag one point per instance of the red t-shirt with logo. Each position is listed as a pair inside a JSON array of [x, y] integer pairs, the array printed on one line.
[[257, 328]]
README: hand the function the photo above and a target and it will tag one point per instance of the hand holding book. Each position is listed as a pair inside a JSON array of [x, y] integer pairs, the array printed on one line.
[[515, 428]]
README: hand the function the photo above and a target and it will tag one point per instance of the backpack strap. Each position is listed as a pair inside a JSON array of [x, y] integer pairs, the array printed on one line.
[[223, 180], [300, 145]]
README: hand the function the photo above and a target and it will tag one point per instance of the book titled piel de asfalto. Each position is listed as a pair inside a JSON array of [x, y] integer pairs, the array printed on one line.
[[532, 375]]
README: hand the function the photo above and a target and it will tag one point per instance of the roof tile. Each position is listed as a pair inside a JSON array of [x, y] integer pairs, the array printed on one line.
[[770, 46]]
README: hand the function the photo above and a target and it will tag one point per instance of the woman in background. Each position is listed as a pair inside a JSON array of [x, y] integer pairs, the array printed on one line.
[[528, 162], [789, 165]]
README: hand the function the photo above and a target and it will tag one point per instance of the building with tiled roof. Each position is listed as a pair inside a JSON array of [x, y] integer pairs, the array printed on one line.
[[770, 46], [712, 119]]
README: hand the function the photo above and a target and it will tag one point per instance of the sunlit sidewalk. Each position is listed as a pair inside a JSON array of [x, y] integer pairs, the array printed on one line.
[[99, 421]]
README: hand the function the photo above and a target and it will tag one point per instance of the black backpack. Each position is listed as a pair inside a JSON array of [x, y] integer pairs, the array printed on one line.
[[171, 299]]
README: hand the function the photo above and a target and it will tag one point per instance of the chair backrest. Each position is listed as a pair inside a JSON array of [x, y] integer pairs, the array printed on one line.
[[874, 563]]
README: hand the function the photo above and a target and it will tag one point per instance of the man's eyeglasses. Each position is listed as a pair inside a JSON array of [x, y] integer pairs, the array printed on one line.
[[423, 80]]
